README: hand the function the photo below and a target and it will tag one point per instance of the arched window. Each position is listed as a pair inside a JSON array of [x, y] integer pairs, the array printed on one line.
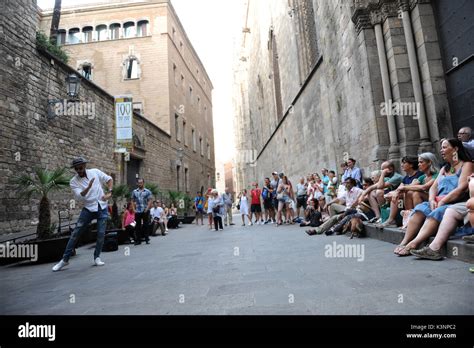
[[86, 70], [129, 29], [115, 31], [74, 36], [101, 32], [87, 34], [132, 68], [61, 40], [142, 28]]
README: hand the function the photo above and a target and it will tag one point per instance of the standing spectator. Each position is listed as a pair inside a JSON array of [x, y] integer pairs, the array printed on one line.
[[353, 172], [465, 135], [301, 196], [228, 200], [244, 207], [210, 218], [256, 205], [87, 186], [142, 197], [274, 184], [267, 196], [199, 207], [284, 195], [218, 210], [325, 179], [128, 222]]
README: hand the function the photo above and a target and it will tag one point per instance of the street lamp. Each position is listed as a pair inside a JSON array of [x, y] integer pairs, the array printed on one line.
[[73, 83]]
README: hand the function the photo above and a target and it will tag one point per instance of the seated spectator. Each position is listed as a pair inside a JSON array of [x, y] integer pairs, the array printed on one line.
[[459, 213], [313, 217], [339, 206], [332, 187], [398, 197], [389, 180], [345, 174], [128, 221], [450, 187], [158, 219], [465, 135]]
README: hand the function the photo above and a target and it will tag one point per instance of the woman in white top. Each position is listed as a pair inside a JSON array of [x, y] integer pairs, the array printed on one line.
[[244, 207]]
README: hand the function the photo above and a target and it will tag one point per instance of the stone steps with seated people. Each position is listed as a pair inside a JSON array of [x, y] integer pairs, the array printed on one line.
[[454, 248]]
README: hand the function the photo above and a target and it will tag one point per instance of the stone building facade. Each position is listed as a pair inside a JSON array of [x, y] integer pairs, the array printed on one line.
[[31, 137], [314, 80], [141, 49]]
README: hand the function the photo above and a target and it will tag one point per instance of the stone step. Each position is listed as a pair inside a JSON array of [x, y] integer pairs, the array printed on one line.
[[454, 248]]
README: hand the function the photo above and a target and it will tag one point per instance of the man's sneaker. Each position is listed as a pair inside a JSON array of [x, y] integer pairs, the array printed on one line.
[[427, 253], [99, 262], [469, 239], [57, 267]]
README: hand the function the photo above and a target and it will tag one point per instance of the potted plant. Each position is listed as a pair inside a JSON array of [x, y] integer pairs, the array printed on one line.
[[41, 184]]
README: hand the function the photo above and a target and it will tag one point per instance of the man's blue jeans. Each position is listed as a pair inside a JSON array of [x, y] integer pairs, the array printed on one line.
[[84, 220]]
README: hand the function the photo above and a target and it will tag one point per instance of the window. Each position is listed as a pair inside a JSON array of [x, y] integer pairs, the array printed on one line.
[[142, 28], [61, 40], [194, 140], [176, 126], [200, 146], [184, 134], [138, 108], [173, 31], [183, 83], [132, 68], [186, 181], [74, 36], [191, 95], [205, 113], [87, 34], [101, 32], [178, 170], [175, 74], [86, 71], [208, 151], [181, 44], [199, 104], [115, 31], [129, 29]]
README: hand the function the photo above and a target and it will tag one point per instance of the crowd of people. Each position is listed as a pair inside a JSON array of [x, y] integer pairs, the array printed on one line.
[[433, 197]]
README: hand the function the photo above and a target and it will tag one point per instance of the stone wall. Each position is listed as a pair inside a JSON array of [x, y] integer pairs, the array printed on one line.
[[335, 111], [29, 138]]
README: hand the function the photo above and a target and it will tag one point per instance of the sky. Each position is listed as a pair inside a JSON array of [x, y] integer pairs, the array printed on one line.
[[211, 26]]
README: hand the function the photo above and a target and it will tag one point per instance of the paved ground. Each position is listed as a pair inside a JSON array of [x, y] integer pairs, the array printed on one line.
[[242, 270]]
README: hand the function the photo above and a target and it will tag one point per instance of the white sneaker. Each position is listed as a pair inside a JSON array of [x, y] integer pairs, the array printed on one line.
[[99, 262], [57, 267]]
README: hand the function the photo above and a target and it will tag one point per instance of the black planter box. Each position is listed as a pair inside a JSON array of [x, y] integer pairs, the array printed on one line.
[[49, 250]]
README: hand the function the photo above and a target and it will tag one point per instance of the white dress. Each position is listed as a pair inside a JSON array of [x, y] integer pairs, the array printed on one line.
[[244, 206]]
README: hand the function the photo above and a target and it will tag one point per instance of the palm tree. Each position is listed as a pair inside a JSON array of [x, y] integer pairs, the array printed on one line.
[[118, 192], [41, 184], [53, 34]]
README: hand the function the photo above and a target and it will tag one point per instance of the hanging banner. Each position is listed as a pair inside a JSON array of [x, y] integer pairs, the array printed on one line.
[[124, 122]]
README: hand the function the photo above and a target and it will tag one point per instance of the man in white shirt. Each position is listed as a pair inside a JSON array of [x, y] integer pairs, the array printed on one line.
[[87, 188], [158, 218], [340, 205]]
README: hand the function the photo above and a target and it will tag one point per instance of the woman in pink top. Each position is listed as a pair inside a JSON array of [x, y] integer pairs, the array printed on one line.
[[128, 222]]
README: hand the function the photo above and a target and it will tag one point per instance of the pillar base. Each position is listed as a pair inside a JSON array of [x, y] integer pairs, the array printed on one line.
[[425, 146]]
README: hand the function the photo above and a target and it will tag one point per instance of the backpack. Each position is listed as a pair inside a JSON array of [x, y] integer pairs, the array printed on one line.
[[265, 193]]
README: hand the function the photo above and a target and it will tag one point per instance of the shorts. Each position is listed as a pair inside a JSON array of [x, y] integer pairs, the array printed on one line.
[[256, 208], [199, 211], [268, 204], [275, 203], [436, 214], [461, 209], [301, 201]]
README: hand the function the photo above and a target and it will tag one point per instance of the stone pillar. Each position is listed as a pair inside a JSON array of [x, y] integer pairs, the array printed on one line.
[[394, 150], [425, 144]]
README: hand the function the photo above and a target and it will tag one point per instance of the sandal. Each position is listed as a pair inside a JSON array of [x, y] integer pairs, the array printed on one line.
[[405, 251], [398, 249]]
